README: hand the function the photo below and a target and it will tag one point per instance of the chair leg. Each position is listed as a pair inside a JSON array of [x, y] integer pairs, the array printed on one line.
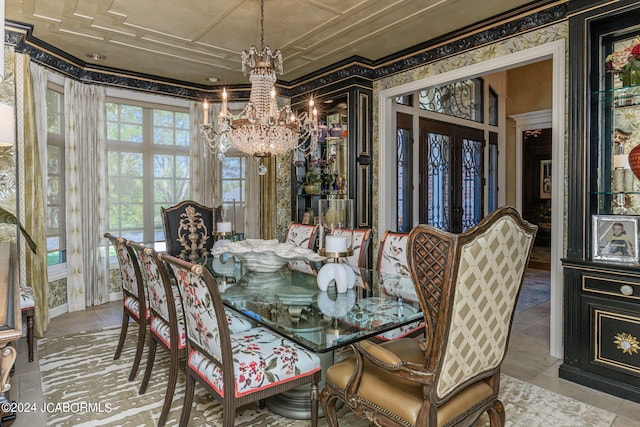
[[151, 357], [328, 403], [314, 404], [188, 399], [123, 334], [142, 333], [30, 314], [171, 386], [496, 414]]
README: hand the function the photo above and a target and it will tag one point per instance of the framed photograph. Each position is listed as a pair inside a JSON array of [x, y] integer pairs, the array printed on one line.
[[615, 238], [545, 179]]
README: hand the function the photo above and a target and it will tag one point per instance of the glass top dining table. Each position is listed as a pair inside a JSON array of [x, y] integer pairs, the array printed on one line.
[[290, 303]]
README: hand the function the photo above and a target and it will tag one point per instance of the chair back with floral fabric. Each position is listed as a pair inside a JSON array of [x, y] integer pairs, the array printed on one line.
[[166, 322], [134, 302], [301, 235], [164, 300], [236, 368], [360, 245], [392, 254], [188, 227]]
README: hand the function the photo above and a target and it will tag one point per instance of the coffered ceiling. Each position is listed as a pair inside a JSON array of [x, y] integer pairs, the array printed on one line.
[[192, 40]]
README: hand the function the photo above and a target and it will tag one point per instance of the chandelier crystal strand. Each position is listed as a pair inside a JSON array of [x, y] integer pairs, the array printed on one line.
[[262, 129]]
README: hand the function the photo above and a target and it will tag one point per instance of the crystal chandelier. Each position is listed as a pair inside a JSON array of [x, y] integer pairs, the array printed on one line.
[[262, 129]]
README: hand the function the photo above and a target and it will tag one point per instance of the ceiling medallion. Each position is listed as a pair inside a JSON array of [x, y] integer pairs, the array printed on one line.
[[263, 128]]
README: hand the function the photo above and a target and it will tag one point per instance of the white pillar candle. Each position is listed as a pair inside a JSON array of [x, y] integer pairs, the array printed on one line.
[[224, 227], [336, 244], [205, 111]]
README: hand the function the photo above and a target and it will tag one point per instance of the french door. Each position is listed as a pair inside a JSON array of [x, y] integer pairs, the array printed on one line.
[[451, 175]]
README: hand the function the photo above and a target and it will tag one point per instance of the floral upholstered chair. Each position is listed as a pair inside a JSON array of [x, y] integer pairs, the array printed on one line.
[[468, 285], [301, 235], [236, 368], [392, 254], [304, 236], [393, 269], [166, 322], [188, 228], [360, 245], [134, 304]]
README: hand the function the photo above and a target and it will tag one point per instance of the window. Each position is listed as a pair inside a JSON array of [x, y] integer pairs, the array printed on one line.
[[461, 99], [56, 244], [149, 166], [233, 190], [404, 172]]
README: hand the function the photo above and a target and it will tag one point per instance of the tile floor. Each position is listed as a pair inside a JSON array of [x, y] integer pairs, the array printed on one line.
[[527, 359]]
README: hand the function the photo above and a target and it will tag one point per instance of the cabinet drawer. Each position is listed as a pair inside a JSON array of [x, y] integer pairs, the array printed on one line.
[[611, 286]]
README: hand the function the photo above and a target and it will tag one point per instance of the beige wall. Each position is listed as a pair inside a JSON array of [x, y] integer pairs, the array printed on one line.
[[529, 88]]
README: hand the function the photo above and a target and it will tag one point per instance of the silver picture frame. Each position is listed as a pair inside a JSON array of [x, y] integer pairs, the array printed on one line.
[[615, 238]]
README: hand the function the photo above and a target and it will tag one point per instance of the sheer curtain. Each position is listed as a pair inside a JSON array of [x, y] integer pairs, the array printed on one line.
[[206, 174], [203, 171], [86, 195]]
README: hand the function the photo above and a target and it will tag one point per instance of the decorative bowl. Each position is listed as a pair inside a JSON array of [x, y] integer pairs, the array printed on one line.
[[266, 256]]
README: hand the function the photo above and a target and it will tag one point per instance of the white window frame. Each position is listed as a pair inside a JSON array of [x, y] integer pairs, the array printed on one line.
[[59, 270], [239, 204], [146, 147]]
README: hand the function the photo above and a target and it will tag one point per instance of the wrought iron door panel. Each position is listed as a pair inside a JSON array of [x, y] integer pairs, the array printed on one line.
[[451, 175]]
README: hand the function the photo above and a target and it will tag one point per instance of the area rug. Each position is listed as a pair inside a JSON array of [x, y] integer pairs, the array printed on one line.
[[536, 289], [83, 386]]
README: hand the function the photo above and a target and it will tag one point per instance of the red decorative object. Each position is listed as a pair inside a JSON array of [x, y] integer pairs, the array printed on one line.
[[634, 161]]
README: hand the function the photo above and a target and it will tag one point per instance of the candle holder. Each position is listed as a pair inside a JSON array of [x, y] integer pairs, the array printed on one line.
[[335, 231]]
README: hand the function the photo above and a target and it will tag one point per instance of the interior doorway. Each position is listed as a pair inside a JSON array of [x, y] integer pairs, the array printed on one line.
[[536, 192], [386, 128]]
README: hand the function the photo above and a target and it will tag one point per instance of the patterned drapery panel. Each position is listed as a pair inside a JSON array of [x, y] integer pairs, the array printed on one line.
[[38, 163], [86, 195], [31, 196]]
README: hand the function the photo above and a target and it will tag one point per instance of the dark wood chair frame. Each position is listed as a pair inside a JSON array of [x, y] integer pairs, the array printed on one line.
[[230, 402], [126, 314], [175, 352], [433, 255]]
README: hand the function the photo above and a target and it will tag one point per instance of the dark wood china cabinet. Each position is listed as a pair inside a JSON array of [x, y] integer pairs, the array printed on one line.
[[601, 284]]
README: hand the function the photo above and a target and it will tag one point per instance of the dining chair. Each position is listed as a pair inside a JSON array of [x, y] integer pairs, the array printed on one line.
[[236, 368], [392, 254], [393, 266], [301, 235], [134, 304], [468, 285], [188, 227], [166, 322], [361, 239]]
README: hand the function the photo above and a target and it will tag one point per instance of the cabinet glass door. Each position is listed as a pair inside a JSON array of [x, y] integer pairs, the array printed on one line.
[[618, 189]]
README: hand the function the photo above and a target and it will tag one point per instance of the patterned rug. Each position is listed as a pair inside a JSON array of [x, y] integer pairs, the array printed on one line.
[[536, 289], [84, 387]]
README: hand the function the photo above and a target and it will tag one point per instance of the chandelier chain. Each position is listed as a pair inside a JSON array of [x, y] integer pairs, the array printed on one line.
[[261, 24], [263, 128]]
